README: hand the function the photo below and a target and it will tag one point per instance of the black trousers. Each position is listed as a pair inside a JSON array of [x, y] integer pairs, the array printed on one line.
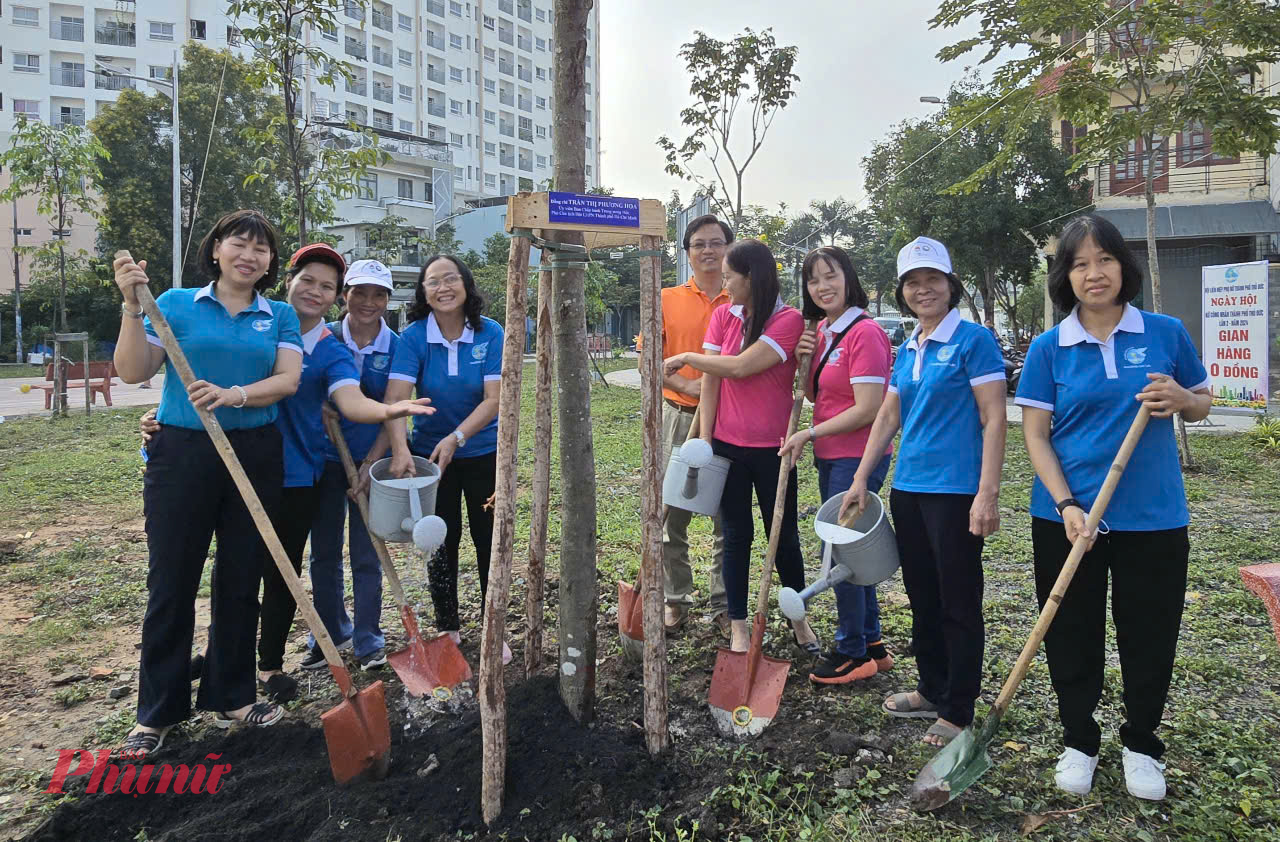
[[293, 525], [1148, 587], [474, 478], [942, 571], [188, 497], [755, 468]]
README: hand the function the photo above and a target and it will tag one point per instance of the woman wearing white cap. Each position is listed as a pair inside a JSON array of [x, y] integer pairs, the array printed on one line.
[[946, 393]]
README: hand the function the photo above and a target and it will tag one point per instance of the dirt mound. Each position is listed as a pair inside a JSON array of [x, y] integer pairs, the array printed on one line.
[[561, 777]]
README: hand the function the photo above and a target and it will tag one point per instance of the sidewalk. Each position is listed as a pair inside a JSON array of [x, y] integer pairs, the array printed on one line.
[[14, 404], [1216, 422]]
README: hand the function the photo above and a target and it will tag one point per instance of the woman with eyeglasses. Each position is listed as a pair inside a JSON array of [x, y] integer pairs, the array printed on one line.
[[452, 354]]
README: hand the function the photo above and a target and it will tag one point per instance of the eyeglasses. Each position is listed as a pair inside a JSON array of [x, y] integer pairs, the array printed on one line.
[[703, 245], [446, 281]]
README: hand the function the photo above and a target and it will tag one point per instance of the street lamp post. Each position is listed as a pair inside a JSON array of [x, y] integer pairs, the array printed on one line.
[[172, 92]]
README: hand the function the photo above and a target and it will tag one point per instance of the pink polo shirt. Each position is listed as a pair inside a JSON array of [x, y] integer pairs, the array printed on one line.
[[861, 357], [753, 411]]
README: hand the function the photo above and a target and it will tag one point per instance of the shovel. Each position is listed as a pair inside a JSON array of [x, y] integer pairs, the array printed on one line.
[[433, 668], [630, 602], [356, 731], [963, 760], [746, 687]]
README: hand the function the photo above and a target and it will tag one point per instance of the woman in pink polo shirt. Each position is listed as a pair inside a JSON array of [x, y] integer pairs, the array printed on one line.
[[847, 385], [749, 368]]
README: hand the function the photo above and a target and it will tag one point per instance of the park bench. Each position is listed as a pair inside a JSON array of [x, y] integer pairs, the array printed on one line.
[[1264, 580], [102, 372]]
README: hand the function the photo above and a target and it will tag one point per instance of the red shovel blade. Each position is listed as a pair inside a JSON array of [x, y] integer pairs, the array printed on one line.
[[744, 704], [358, 735], [431, 668]]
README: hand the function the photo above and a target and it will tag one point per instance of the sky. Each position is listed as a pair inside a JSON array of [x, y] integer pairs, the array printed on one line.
[[863, 66]]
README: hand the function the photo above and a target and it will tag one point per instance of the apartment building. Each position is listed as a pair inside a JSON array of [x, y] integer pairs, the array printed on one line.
[[460, 93]]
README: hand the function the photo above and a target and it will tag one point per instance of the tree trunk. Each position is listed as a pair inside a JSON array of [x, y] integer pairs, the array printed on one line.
[[655, 639], [1153, 269], [493, 693], [541, 504], [988, 295], [578, 590]]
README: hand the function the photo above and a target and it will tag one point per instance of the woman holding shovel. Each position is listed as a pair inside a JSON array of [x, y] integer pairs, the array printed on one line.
[[749, 368], [947, 394], [1082, 385], [847, 386], [246, 352], [453, 353]]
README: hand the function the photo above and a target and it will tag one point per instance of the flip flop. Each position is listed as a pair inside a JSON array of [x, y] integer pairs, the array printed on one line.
[[141, 745], [903, 709], [943, 730]]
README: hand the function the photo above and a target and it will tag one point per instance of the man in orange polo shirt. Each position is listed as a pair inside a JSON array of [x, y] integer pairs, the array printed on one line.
[[686, 312]]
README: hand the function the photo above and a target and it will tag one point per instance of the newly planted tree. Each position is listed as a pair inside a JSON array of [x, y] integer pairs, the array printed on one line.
[[748, 78]]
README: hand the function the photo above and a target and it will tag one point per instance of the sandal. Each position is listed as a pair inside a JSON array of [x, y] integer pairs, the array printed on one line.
[[942, 730], [813, 648], [141, 744], [261, 715], [903, 709], [279, 688]]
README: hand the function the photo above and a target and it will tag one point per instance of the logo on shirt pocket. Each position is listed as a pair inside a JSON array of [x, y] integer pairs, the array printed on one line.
[[1135, 356], [479, 352], [262, 325], [380, 361], [946, 352], [835, 356]]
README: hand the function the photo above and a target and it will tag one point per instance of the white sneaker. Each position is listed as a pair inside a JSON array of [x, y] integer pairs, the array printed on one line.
[[1074, 772], [1143, 776]]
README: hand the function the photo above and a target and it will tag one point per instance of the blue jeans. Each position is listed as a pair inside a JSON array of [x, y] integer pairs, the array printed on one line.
[[857, 611], [326, 567]]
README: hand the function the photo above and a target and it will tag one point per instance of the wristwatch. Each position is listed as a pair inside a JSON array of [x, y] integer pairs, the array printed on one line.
[[1063, 505], [460, 436]]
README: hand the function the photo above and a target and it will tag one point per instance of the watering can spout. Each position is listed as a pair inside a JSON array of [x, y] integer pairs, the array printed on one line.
[[690, 489]]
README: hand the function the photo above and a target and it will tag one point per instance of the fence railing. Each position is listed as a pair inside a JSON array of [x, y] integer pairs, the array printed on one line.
[[115, 36], [66, 31], [69, 78]]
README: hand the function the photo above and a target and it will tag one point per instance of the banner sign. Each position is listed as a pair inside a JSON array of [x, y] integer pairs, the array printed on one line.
[[1234, 336], [580, 209]]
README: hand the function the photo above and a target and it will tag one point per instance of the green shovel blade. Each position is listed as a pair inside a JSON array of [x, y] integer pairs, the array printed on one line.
[[957, 765]]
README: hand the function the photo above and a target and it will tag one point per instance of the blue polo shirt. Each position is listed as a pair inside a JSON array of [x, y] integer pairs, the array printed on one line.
[[326, 367], [373, 362], [941, 447], [1089, 386], [453, 375], [223, 349]]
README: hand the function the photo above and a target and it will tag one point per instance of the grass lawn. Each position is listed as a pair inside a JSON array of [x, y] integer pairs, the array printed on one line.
[[72, 590]]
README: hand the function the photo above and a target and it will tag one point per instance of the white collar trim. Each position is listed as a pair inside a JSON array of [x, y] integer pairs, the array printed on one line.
[[942, 333], [434, 334], [1072, 332], [259, 303], [736, 309], [846, 318], [311, 337], [381, 343]]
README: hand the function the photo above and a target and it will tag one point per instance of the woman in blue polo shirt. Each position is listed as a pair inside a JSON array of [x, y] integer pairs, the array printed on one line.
[[1079, 392], [246, 352], [366, 292], [452, 354], [947, 394]]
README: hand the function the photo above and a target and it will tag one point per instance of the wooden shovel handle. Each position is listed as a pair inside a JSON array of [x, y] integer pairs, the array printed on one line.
[[334, 429], [1078, 550], [220, 442]]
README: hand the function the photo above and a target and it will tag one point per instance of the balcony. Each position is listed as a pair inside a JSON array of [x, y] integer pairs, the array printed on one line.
[[507, 160], [383, 93], [430, 39], [116, 36], [506, 36], [1196, 175], [435, 110], [525, 13], [381, 56], [435, 74], [67, 30], [506, 6], [434, 8], [506, 67], [113, 83], [524, 103], [525, 43], [68, 77], [385, 123], [357, 87], [355, 48], [383, 20], [526, 165], [506, 129], [524, 74], [506, 98]]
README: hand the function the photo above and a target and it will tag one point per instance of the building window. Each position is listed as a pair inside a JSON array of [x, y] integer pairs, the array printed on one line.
[[540, 15], [542, 133], [455, 140], [406, 92], [540, 73], [489, 54], [405, 21], [156, 71], [30, 107], [455, 8], [233, 36], [455, 41], [490, 86], [457, 176], [26, 63], [540, 43], [588, 170], [25, 16], [197, 29], [161, 31], [490, 181], [588, 89], [542, 162], [455, 106], [541, 102], [367, 187], [490, 149], [406, 126], [404, 188], [455, 74], [588, 115], [588, 141], [490, 24], [406, 58], [489, 117]]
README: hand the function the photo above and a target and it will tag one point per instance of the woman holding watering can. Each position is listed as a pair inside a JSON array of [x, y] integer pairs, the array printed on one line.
[[453, 353], [749, 368], [246, 353], [847, 385], [947, 395], [1083, 383]]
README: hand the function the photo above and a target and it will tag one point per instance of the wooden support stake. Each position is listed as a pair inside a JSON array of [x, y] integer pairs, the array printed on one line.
[[493, 693], [541, 504], [655, 639]]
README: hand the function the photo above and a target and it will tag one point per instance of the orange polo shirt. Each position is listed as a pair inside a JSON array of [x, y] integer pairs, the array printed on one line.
[[686, 312]]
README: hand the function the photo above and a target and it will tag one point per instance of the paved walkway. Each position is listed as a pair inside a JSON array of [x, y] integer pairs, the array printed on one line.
[[14, 404], [1217, 422]]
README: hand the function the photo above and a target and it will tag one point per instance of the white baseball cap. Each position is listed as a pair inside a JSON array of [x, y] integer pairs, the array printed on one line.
[[920, 253], [369, 272]]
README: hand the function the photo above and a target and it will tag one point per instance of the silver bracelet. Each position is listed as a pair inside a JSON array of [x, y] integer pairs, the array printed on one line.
[[244, 397], [813, 432]]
